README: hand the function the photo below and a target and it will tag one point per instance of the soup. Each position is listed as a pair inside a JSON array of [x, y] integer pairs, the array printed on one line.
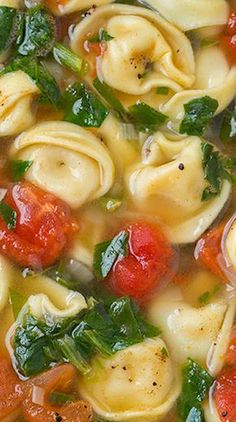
[[117, 210]]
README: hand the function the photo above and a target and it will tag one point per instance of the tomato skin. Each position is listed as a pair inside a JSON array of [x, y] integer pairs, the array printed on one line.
[[11, 391], [228, 39], [225, 395], [44, 226], [148, 262], [208, 250]]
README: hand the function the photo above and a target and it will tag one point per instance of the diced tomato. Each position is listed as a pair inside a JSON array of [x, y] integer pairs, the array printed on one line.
[[36, 406], [208, 250], [11, 392], [228, 39], [230, 357], [149, 261], [44, 226], [225, 395]]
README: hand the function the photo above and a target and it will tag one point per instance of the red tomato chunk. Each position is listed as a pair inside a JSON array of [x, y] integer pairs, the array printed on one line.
[[44, 226]]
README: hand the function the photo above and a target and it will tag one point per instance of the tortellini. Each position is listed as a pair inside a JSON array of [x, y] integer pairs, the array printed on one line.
[[169, 183], [143, 43], [17, 91], [71, 6], [68, 161], [68, 303], [5, 279], [182, 324], [138, 383], [192, 14], [11, 3], [214, 78]]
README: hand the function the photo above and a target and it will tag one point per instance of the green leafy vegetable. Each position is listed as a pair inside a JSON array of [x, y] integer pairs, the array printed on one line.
[[228, 127], [58, 398], [67, 58], [198, 114], [217, 168], [19, 168], [107, 253], [162, 90], [146, 118], [196, 383], [39, 34], [8, 20], [103, 328], [107, 93], [50, 92], [17, 301], [205, 298], [102, 36], [8, 215], [83, 107]]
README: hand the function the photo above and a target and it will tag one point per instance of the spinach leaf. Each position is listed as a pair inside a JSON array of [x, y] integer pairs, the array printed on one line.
[[107, 93], [205, 297], [198, 114], [39, 34], [228, 127], [163, 90], [146, 118], [58, 398], [217, 168], [104, 328], [8, 215], [195, 386], [107, 253], [102, 36], [19, 168], [8, 21], [50, 92], [83, 107]]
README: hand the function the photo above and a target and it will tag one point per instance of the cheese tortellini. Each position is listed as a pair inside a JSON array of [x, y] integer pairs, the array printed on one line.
[[71, 6], [169, 183], [182, 324], [143, 43], [68, 161], [17, 91], [214, 78], [11, 3], [136, 384], [192, 14]]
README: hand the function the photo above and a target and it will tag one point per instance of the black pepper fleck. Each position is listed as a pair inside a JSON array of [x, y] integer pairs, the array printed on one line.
[[181, 166], [57, 417]]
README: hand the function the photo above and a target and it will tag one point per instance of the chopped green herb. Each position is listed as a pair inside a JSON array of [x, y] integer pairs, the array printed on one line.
[[104, 328], [196, 383], [205, 298], [217, 168], [8, 215], [50, 92], [67, 58], [83, 107], [146, 118], [228, 127], [102, 36], [107, 253], [164, 352], [162, 90], [198, 114], [58, 398], [8, 20], [209, 42], [110, 204], [17, 301], [19, 168], [39, 33], [107, 93]]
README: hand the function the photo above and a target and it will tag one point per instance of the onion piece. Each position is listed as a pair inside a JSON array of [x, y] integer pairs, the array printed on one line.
[[79, 271]]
